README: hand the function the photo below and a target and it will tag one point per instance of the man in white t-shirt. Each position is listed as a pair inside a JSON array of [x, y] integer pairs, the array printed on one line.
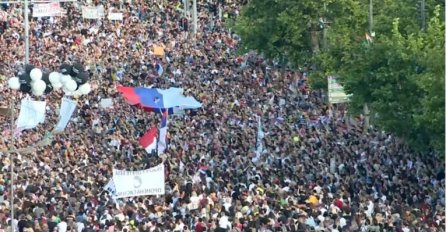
[[224, 222], [62, 226]]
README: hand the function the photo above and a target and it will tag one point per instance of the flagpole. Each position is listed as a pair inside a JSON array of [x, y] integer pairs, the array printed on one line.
[[11, 160]]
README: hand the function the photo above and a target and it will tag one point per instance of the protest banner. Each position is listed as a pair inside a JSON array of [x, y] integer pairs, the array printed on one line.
[[46, 10], [92, 12], [115, 16], [139, 183], [158, 50]]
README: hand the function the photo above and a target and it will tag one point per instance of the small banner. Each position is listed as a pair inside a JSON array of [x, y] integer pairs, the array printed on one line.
[[46, 10], [139, 183], [115, 16], [92, 12], [158, 50], [336, 92]]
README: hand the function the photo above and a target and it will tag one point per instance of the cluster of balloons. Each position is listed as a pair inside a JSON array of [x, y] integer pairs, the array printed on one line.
[[72, 79]]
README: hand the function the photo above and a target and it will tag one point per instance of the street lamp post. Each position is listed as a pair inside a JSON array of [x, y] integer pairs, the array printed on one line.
[[12, 150], [26, 32], [11, 160]]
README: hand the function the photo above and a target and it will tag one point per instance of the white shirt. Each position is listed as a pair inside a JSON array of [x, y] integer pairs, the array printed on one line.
[[194, 203], [80, 226], [62, 227], [224, 223]]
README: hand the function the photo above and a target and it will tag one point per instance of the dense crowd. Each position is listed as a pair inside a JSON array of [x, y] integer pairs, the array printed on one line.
[[321, 169]]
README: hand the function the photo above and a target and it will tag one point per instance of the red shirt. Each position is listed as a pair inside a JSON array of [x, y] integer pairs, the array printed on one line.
[[199, 227], [339, 203]]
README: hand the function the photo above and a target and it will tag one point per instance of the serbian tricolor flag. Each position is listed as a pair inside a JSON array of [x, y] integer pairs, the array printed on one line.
[[148, 140], [158, 100], [162, 143]]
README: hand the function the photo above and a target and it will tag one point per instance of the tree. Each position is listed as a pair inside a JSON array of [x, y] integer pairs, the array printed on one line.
[[400, 74], [402, 77], [281, 29]]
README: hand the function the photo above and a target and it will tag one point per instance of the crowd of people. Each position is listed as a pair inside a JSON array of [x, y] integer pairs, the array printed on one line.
[[321, 169]]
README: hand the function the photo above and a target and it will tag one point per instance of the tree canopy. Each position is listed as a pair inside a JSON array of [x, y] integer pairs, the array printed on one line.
[[399, 72]]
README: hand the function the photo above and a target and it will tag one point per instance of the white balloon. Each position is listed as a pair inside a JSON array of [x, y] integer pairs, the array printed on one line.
[[37, 93], [67, 92], [38, 86], [54, 77], [57, 85], [71, 85], [14, 83], [65, 78], [36, 74], [85, 88]]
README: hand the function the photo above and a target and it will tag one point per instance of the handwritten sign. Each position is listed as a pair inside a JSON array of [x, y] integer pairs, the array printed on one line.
[[92, 12], [115, 16], [158, 50], [46, 10]]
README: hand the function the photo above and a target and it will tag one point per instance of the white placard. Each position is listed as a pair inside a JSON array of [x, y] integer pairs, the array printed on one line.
[[31, 114], [139, 183], [46, 10], [92, 12], [115, 16], [106, 103]]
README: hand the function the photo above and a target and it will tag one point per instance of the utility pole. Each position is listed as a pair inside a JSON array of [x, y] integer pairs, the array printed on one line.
[[423, 14], [324, 29], [194, 16], [366, 106], [186, 9], [371, 17], [11, 165]]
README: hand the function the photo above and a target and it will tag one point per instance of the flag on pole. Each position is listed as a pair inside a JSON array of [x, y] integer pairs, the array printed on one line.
[[159, 69], [260, 136], [368, 37], [162, 143], [149, 141]]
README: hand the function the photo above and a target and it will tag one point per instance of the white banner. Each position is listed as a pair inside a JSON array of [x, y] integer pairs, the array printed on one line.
[[139, 183], [115, 16], [66, 111], [92, 12], [46, 10], [106, 103], [31, 114]]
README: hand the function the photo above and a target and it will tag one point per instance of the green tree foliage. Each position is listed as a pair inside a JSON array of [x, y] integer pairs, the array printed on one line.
[[400, 74]]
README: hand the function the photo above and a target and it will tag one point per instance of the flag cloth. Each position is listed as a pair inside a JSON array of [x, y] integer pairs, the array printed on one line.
[[158, 100], [66, 111], [31, 114], [159, 69], [148, 140], [162, 143], [260, 136], [368, 38]]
